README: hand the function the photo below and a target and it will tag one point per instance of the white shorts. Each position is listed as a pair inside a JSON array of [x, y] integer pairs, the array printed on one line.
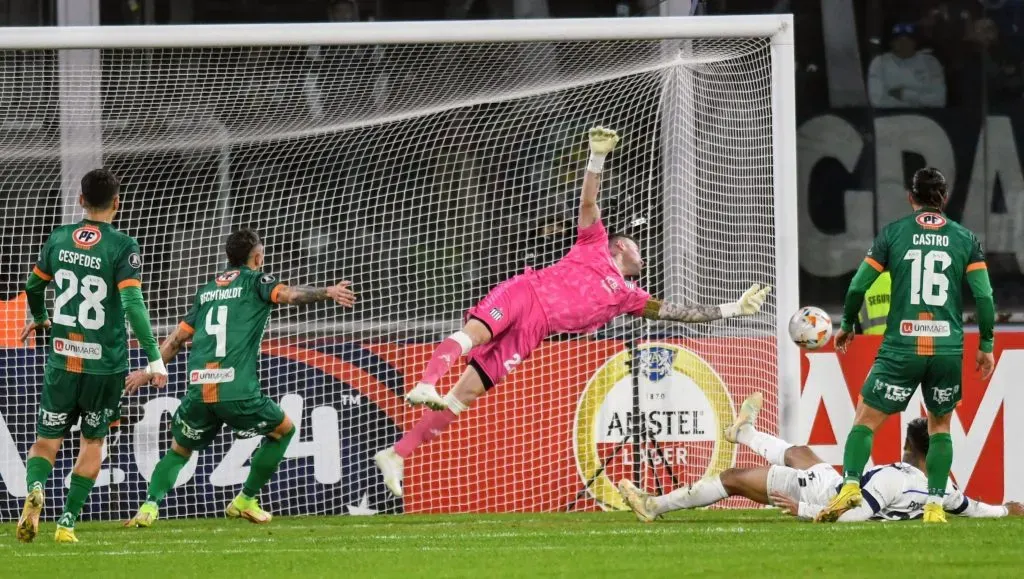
[[816, 485]]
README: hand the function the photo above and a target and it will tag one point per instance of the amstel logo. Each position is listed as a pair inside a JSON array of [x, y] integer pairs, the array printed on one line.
[[684, 407]]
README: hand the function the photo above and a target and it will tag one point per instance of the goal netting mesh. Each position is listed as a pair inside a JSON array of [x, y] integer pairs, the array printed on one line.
[[425, 174]]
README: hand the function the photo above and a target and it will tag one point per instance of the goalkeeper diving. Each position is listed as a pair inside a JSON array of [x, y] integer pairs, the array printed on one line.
[[801, 483], [579, 294]]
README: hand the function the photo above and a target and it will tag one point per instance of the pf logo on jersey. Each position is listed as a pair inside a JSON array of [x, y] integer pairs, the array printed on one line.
[[86, 236], [227, 277], [931, 220]]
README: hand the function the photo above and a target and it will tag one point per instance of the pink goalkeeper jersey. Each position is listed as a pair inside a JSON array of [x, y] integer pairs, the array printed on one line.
[[584, 290]]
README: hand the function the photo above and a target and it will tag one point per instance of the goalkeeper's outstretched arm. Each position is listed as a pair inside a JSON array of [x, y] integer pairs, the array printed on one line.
[[602, 141], [749, 304]]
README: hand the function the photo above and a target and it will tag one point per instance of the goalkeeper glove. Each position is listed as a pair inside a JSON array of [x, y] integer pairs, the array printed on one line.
[[749, 303], [602, 141]]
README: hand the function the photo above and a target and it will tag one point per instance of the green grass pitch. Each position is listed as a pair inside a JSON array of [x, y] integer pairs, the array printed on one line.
[[713, 543]]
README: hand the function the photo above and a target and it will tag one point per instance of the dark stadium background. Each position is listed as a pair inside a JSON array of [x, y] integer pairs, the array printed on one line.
[[832, 61]]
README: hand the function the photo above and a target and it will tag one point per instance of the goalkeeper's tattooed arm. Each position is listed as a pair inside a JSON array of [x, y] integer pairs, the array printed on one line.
[[658, 310], [341, 293], [749, 304]]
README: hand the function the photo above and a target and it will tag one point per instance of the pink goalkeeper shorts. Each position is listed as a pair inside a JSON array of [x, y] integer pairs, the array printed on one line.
[[517, 323]]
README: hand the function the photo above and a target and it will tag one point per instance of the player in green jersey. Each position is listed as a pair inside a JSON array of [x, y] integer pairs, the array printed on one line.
[[226, 324], [929, 258], [96, 272]]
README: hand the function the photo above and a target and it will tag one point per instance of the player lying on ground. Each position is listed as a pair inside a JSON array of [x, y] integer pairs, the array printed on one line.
[[930, 257], [582, 292], [801, 483], [226, 324], [96, 270]]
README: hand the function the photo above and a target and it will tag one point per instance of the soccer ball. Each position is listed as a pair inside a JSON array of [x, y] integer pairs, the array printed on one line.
[[810, 328]]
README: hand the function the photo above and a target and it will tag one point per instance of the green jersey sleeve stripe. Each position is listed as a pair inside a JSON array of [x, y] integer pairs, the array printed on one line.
[[41, 274]]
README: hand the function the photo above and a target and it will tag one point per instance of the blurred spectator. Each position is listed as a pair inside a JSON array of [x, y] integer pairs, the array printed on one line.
[[905, 77], [998, 64], [342, 11], [1009, 17], [944, 27], [501, 9]]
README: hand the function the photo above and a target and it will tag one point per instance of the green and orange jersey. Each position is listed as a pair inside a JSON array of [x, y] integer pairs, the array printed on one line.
[[227, 320], [929, 257], [88, 264]]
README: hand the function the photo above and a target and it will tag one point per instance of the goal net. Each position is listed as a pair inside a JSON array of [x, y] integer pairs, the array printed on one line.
[[425, 173]]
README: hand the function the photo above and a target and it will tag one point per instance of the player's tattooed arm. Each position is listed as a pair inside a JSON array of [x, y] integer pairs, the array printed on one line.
[[174, 343], [302, 294], [341, 293], [168, 351], [659, 310]]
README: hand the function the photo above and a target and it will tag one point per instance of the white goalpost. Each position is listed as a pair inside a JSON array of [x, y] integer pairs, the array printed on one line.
[[426, 162]]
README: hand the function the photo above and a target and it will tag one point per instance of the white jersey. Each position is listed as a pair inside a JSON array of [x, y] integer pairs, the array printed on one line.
[[898, 491]]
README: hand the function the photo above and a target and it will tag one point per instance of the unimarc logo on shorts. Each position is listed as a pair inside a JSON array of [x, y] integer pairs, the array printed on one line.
[[84, 350], [926, 328], [212, 376]]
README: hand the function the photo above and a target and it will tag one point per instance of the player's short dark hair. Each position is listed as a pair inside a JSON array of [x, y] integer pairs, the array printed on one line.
[[99, 187], [613, 237], [240, 245], [929, 188], [917, 436]]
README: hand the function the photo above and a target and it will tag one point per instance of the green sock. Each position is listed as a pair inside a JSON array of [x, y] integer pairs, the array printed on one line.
[[77, 495], [264, 463], [938, 462], [858, 451], [37, 472], [164, 475]]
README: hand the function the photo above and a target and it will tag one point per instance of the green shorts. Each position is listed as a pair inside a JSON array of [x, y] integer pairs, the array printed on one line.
[[895, 377], [69, 395], [197, 423]]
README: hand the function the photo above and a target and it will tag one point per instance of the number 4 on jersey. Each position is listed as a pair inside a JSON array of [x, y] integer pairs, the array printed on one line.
[[218, 329], [927, 279]]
